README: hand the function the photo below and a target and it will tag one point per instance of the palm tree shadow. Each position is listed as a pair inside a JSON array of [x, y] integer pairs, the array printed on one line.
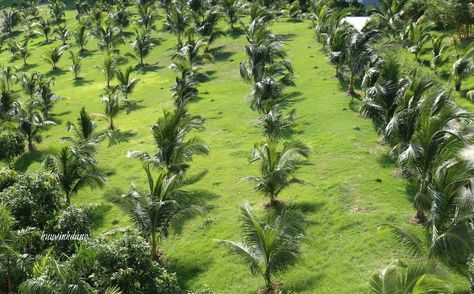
[[306, 283], [130, 107], [56, 72], [24, 161], [411, 189], [307, 207], [188, 270], [236, 33], [197, 202], [117, 137], [81, 82], [286, 37], [219, 54], [354, 105], [29, 66], [385, 160], [150, 68]]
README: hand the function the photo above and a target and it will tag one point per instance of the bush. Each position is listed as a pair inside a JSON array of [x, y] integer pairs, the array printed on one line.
[[8, 177], [126, 262], [12, 145], [33, 200], [71, 220]]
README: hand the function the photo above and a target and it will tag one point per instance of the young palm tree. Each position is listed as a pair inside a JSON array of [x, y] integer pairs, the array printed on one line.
[[403, 124], [418, 34], [31, 123], [275, 123], [56, 10], [127, 83], [109, 36], [449, 232], [412, 278], [207, 25], [111, 109], [231, 10], [391, 13], [142, 46], [63, 34], [177, 21], [53, 55], [108, 69], [74, 170], [175, 151], [76, 61], [437, 53], [45, 98], [85, 137], [184, 90], [147, 16], [11, 18], [44, 28], [383, 83], [192, 52], [21, 50], [277, 167], [29, 82], [270, 246], [461, 68], [359, 52], [8, 100], [336, 45], [81, 37], [434, 138], [154, 210]]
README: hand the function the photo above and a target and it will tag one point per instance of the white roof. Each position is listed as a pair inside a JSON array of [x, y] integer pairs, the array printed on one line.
[[358, 22]]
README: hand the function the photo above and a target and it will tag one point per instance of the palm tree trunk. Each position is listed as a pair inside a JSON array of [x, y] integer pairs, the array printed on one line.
[[351, 89], [458, 84], [9, 283], [68, 199], [420, 216], [31, 146]]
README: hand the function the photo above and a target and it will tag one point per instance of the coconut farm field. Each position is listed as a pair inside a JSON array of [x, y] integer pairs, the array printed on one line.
[[351, 183]]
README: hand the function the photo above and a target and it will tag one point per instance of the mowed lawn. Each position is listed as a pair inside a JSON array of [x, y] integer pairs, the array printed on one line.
[[351, 181]]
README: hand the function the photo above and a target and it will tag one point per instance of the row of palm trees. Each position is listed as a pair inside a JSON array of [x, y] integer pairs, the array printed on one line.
[[427, 132], [271, 245]]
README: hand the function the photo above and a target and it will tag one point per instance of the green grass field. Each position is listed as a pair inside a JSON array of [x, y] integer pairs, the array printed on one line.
[[352, 185]]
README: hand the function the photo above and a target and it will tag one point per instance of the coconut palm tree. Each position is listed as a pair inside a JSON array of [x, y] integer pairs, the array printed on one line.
[[76, 61], [270, 246], [277, 167], [391, 13], [11, 18], [21, 50], [63, 34], [56, 10], [142, 46], [275, 123], [109, 36], [112, 108], [437, 53], [175, 150], [337, 45], [177, 21], [418, 34], [382, 83], [82, 37], [31, 123], [154, 209], [45, 98], [43, 28], [147, 15], [8, 101], [85, 137], [29, 82], [53, 55], [408, 278], [402, 126], [126, 82], [8, 74], [462, 68], [207, 25], [359, 53], [74, 170], [434, 138], [107, 69], [184, 90], [232, 10], [449, 231]]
